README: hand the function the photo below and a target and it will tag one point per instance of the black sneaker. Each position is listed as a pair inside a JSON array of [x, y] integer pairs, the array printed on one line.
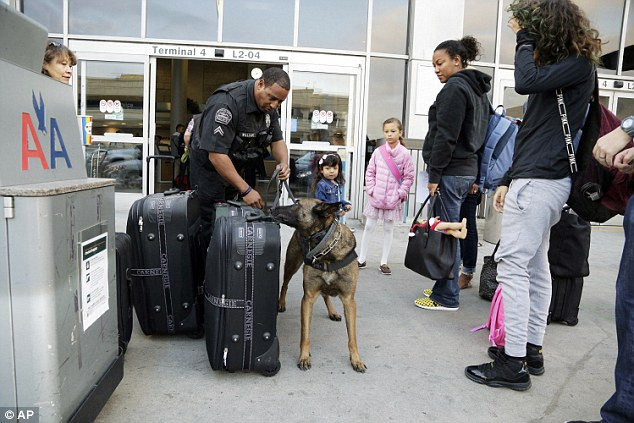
[[362, 265], [505, 371], [534, 358]]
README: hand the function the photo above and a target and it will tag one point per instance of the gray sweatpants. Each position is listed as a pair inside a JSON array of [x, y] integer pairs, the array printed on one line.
[[531, 208]]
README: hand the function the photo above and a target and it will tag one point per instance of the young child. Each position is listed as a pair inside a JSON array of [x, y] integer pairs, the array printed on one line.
[[455, 229], [389, 176], [328, 182]]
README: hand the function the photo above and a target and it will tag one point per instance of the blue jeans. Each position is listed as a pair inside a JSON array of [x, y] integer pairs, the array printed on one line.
[[453, 191], [469, 245], [620, 408]]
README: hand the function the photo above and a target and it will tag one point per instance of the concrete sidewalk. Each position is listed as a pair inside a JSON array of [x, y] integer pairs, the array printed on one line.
[[415, 359]]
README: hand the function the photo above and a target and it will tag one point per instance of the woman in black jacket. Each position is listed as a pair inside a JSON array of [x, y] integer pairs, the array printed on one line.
[[457, 127], [556, 50]]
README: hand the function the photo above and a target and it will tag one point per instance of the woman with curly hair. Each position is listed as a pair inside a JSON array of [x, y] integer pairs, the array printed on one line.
[[556, 49]]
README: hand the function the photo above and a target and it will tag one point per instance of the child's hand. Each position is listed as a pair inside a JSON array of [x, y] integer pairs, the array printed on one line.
[[348, 207]]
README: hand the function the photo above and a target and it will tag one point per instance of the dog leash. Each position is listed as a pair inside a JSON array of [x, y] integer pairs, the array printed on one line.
[[278, 193]]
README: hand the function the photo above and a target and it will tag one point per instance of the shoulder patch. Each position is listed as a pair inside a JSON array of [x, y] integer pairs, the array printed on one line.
[[223, 116], [219, 130]]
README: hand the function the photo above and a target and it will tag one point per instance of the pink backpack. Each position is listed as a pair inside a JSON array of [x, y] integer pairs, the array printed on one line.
[[495, 324]]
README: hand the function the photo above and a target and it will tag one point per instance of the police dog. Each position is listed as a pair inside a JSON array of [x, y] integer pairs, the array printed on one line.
[[334, 271]]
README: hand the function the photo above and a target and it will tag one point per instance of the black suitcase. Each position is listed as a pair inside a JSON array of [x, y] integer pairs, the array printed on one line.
[[564, 303], [241, 294], [123, 249], [167, 273]]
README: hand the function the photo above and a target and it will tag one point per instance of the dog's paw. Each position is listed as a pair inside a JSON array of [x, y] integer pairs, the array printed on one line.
[[304, 364], [358, 366], [335, 317]]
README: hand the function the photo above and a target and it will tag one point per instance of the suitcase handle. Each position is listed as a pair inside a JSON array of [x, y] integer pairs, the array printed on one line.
[[259, 216]]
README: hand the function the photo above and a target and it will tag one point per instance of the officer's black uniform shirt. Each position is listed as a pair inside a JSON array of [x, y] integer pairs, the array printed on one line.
[[232, 111], [231, 114]]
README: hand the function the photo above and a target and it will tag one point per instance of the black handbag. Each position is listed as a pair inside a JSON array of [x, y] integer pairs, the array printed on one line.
[[569, 246], [431, 253], [590, 180], [488, 276]]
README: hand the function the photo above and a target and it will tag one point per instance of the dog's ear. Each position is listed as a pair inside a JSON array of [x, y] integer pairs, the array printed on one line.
[[326, 209]]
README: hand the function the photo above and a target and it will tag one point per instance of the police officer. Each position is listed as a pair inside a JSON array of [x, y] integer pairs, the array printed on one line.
[[239, 123]]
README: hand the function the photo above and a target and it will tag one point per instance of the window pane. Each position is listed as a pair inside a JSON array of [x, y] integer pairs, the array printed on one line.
[[116, 18], [279, 13], [334, 24], [320, 109], [480, 21], [303, 166], [514, 103], [624, 107], [120, 161], [385, 96], [47, 12], [114, 99], [605, 16], [112, 81], [389, 26], [628, 59], [507, 38], [182, 20]]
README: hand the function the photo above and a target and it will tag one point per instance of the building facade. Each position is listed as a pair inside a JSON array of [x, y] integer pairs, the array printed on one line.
[[146, 65]]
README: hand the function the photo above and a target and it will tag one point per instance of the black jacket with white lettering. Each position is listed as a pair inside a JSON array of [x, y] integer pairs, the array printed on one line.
[[457, 125], [540, 148]]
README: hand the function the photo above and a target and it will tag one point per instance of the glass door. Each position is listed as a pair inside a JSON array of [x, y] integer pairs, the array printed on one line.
[[623, 104], [323, 117], [112, 94], [504, 94]]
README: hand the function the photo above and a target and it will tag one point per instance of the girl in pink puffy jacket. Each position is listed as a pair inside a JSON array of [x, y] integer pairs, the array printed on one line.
[[389, 176]]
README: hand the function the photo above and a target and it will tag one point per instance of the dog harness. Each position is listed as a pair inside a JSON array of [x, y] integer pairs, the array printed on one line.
[[324, 245]]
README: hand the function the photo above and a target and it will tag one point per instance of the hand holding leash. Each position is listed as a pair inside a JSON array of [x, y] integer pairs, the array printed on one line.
[[284, 171]]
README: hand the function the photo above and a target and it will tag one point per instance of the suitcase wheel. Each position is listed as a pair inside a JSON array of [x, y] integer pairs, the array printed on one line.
[[198, 334], [273, 372]]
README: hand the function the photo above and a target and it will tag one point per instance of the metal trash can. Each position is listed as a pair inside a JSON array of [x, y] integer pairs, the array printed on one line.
[[58, 304], [492, 221]]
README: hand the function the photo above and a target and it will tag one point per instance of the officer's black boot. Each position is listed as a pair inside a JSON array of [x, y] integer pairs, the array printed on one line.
[[534, 358], [505, 371]]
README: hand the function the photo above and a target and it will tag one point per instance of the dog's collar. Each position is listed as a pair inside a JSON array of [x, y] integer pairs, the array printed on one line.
[[323, 247]]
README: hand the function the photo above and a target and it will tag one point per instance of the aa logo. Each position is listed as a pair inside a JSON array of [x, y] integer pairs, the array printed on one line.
[[31, 146]]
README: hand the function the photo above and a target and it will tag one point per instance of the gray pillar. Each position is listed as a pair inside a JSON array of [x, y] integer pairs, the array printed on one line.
[[179, 96]]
